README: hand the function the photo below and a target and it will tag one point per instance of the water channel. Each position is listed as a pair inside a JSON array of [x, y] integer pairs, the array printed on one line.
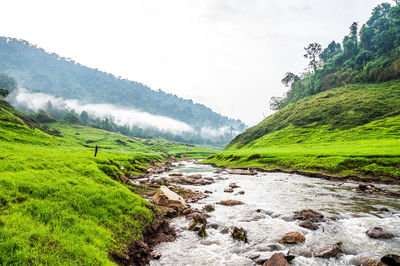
[[270, 202]]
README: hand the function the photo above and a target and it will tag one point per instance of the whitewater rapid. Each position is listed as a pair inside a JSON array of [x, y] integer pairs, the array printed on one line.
[[270, 201]]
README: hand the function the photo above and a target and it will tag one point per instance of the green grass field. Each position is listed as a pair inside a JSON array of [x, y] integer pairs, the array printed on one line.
[[59, 205], [346, 131]]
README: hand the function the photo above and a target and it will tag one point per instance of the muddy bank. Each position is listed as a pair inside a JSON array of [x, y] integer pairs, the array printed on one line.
[[141, 252]]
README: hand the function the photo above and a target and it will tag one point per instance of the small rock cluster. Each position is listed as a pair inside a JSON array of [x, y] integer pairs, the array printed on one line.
[[309, 218], [242, 172]]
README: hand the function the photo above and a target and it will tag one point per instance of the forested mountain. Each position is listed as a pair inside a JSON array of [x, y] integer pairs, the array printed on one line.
[[40, 71], [367, 54]]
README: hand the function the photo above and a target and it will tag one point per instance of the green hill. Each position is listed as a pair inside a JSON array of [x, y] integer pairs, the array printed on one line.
[[59, 205], [352, 131]]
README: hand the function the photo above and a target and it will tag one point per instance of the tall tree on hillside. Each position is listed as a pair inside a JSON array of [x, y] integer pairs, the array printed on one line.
[[354, 32], [313, 50]]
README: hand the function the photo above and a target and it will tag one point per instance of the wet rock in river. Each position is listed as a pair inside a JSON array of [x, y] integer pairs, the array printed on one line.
[[187, 211], [197, 216], [329, 251], [224, 229], [233, 185], [241, 192], [166, 197], [368, 189], [239, 234], [208, 192], [309, 225], [391, 260], [286, 218], [309, 215], [214, 226], [175, 174], [370, 262], [230, 202], [278, 259], [292, 238], [378, 233], [202, 231], [274, 247], [228, 190], [383, 209], [289, 258], [242, 172], [196, 176], [253, 256], [209, 208], [395, 193], [198, 223]]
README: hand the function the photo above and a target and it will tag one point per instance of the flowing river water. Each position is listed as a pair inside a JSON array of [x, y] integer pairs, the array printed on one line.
[[270, 201]]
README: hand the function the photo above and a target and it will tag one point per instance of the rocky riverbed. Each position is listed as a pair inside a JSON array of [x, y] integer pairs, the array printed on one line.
[[246, 218]]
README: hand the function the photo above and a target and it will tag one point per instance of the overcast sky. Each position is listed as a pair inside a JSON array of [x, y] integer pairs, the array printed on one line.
[[227, 54]]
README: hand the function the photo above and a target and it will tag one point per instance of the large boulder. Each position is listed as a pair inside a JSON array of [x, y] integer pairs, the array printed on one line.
[[391, 260], [230, 202], [309, 215], [329, 251], [166, 197], [378, 233], [292, 238], [278, 259]]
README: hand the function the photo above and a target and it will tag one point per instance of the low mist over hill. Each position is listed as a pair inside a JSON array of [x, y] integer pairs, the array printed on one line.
[[60, 79]]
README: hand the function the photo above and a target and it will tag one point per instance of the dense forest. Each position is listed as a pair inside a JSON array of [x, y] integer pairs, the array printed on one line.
[[39, 71], [370, 53]]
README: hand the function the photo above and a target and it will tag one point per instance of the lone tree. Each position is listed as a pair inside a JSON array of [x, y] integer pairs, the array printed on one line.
[[313, 50], [7, 85], [289, 78]]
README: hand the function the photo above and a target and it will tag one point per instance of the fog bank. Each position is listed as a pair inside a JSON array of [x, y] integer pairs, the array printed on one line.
[[121, 116]]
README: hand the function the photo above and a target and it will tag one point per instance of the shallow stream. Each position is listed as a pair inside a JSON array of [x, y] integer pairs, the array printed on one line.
[[277, 196]]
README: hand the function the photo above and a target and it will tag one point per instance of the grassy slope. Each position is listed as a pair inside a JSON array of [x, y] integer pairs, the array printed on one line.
[[345, 131], [57, 205]]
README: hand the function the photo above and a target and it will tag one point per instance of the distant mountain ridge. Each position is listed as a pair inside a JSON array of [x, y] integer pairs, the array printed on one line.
[[40, 71]]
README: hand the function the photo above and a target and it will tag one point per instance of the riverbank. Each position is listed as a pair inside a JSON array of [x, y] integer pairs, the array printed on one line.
[[310, 174], [140, 251], [376, 164]]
